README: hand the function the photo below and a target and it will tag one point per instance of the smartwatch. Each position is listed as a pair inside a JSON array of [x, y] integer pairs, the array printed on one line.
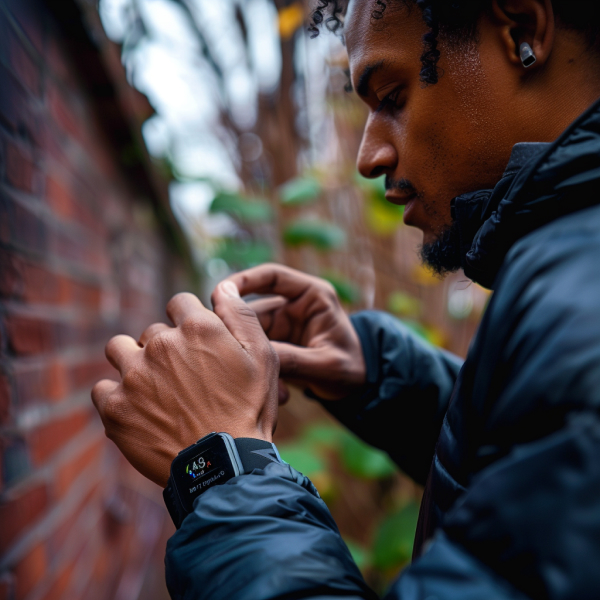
[[212, 460]]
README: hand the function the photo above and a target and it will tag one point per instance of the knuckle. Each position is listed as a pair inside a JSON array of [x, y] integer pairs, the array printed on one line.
[[159, 344], [205, 326], [112, 411]]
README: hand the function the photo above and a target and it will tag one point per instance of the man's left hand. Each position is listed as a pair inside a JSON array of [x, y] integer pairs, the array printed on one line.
[[211, 372]]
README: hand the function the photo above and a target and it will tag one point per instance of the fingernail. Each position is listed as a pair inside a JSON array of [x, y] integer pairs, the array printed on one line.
[[230, 289]]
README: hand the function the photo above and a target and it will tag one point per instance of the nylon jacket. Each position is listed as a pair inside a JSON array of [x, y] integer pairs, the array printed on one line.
[[507, 444]]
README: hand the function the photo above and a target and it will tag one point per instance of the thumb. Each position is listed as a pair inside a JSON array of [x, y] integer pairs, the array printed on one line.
[[298, 362], [238, 317]]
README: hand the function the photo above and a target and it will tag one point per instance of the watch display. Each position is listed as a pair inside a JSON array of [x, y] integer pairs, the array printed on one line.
[[203, 466], [212, 461]]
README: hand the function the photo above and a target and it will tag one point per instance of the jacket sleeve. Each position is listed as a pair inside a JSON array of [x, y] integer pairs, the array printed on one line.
[[409, 384], [529, 521], [261, 536]]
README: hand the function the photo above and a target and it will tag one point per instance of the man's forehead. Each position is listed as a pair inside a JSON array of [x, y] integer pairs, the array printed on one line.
[[373, 43]]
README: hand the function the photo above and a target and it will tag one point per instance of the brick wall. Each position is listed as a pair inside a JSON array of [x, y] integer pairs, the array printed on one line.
[[82, 256]]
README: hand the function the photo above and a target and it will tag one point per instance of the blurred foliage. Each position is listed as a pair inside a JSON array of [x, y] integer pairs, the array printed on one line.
[[300, 191], [291, 18], [244, 210], [404, 305], [347, 291], [318, 452], [319, 234], [243, 253], [383, 218], [394, 539]]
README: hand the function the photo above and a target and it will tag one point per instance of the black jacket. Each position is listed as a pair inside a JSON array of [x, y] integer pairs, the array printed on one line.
[[508, 444]]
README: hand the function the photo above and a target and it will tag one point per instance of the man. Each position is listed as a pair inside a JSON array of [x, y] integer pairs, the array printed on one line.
[[506, 444]]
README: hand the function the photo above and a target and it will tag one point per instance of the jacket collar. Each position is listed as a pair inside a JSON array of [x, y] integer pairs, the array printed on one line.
[[542, 182]]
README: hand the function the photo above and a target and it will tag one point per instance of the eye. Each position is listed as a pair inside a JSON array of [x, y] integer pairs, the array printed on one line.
[[391, 100]]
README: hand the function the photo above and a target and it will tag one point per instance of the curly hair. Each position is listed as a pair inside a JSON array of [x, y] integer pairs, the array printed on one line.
[[455, 19]]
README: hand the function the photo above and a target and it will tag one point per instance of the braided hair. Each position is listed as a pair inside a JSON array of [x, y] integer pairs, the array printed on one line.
[[456, 20]]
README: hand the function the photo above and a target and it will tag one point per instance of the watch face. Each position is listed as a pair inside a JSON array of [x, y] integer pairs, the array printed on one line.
[[201, 467]]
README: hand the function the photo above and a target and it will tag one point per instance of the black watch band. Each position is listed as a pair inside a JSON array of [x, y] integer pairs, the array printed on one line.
[[249, 453]]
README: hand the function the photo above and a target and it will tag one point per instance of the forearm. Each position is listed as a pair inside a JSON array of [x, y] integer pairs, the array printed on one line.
[[403, 404], [261, 536]]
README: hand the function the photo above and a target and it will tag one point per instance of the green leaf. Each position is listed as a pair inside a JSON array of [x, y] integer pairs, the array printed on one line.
[[300, 191], [360, 554], [395, 538], [303, 458], [324, 435], [242, 254], [321, 235], [364, 461], [245, 210], [346, 290]]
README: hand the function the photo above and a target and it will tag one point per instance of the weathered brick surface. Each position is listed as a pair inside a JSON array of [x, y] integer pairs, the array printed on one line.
[[82, 258], [20, 512]]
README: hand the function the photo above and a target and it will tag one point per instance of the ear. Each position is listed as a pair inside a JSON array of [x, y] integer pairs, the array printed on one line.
[[530, 21]]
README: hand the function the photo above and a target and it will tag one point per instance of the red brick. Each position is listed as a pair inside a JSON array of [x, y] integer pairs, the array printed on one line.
[[20, 227], [30, 335], [72, 202], [66, 113], [68, 530], [30, 571], [5, 397], [58, 380], [7, 586], [48, 438], [27, 70], [21, 171], [15, 111], [86, 374], [21, 512], [30, 383], [70, 471], [60, 585]]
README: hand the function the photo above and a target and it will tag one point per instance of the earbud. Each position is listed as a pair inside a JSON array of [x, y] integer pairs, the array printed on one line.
[[527, 55]]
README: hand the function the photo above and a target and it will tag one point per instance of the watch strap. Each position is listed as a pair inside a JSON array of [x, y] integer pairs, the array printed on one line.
[[253, 454], [256, 454], [173, 504]]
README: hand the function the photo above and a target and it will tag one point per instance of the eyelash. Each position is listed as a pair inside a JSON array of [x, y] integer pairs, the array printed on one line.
[[390, 101]]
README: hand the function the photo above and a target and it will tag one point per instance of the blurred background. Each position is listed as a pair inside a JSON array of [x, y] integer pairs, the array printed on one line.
[[149, 147]]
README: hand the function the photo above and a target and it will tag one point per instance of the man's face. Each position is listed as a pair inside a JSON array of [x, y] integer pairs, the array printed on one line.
[[432, 142]]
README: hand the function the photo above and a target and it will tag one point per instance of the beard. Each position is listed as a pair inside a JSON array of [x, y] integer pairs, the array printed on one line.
[[443, 255]]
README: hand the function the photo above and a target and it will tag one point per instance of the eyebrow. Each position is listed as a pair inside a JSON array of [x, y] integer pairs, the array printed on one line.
[[363, 81]]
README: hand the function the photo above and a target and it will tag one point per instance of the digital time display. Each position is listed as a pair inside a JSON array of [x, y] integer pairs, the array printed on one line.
[[201, 467]]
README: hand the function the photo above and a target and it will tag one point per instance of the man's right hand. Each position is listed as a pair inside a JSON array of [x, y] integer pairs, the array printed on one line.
[[317, 345]]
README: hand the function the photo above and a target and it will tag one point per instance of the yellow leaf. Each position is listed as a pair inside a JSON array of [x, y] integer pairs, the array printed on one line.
[[290, 18]]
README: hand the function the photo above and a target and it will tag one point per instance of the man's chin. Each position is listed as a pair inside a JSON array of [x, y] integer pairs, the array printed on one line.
[[441, 254]]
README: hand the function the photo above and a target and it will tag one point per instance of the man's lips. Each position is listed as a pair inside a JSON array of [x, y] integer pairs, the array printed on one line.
[[406, 200], [399, 199]]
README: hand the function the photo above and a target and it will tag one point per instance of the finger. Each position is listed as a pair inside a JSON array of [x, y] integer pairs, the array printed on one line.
[[237, 316], [276, 279], [182, 306], [101, 391], [299, 363], [269, 313], [283, 393], [151, 331], [121, 351]]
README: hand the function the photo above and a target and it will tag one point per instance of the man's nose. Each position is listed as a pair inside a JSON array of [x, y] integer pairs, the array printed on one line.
[[376, 155]]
